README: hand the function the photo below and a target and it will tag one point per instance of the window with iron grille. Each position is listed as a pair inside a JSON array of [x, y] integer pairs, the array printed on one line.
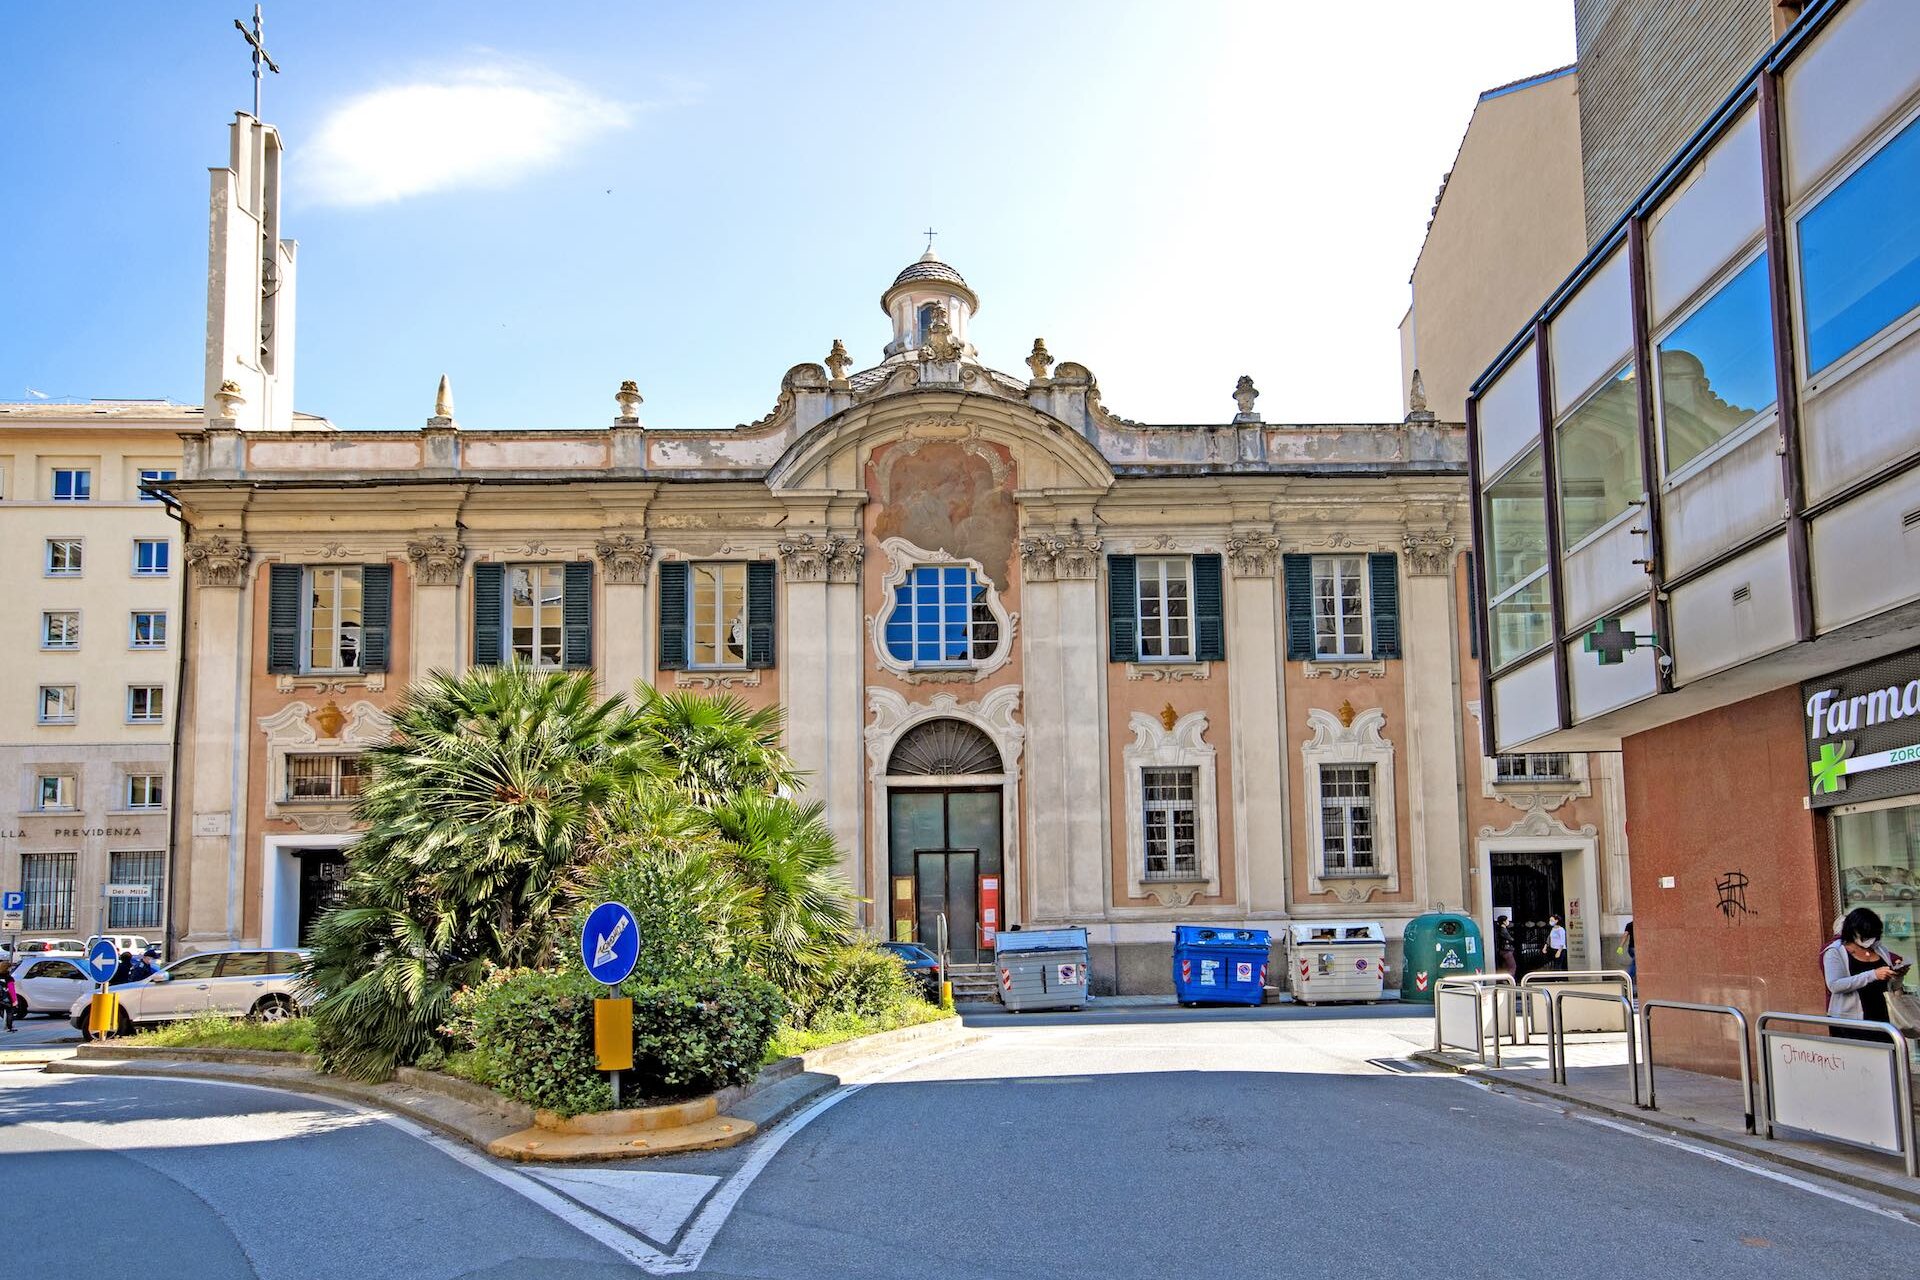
[[47, 881], [1533, 766], [1168, 822], [146, 791], [325, 777], [142, 868], [1346, 819]]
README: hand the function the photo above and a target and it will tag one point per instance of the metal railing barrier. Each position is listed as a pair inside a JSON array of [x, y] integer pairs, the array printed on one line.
[[1472, 987], [1557, 1036], [1534, 988], [1899, 1065], [1746, 1053]]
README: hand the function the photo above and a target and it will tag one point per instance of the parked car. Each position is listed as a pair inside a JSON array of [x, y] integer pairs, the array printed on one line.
[[250, 983], [49, 983], [125, 941], [921, 964], [42, 946]]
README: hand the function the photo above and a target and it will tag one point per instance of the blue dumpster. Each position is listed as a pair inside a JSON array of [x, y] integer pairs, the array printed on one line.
[[1219, 966]]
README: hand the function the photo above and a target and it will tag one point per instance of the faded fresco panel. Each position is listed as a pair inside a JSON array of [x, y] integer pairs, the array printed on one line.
[[949, 496]]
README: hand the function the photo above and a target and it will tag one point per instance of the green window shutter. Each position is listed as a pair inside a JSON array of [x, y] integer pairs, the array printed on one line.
[[1209, 624], [1383, 568], [1473, 607], [376, 616], [760, 607], [1296, 572], [576, 616], [489, 586], [673, 615], [1123, 609], [283, 617]]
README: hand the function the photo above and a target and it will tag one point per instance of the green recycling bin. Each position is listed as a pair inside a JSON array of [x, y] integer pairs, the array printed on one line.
[[1443, 944]]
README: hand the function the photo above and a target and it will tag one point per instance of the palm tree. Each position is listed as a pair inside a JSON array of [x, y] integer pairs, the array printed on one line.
[[787, 854], [476, 812], [715, 746]]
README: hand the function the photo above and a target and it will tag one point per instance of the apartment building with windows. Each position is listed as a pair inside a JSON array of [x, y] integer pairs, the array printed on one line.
[[1697, 495], [93, 581]]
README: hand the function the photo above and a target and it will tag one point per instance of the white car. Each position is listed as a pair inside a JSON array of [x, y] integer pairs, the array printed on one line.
[[252, 983], [49, 983], [40, 946]]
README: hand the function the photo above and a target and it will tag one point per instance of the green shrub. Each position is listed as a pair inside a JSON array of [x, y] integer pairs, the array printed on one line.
[[859, 981], [530, 1035]]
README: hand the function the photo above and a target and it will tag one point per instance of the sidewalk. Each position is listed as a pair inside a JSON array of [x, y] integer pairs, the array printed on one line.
[[1703, 1108]]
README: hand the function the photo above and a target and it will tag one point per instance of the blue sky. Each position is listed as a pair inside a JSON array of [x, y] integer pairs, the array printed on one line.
[[541, 200]]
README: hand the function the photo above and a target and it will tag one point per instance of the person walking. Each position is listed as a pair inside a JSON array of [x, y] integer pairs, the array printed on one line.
[[7, 989], [1556, 944], [1860, 971], [1506, 950]]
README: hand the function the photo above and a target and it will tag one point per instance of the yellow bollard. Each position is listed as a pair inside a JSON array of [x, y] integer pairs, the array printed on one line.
[[103, 1014], [946, 994], [613, 1038]]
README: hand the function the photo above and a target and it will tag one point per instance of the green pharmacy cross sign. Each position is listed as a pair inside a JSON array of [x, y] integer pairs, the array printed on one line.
[[1836, 760], [1610, 642]]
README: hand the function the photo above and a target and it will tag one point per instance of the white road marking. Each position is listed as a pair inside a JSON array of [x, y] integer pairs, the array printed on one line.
[[654, 1202]]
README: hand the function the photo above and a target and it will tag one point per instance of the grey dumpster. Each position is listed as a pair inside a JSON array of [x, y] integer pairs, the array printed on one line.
[[1042, 968]]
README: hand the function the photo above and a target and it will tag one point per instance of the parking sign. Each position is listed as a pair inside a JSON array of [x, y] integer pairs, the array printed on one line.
[[13, 900]]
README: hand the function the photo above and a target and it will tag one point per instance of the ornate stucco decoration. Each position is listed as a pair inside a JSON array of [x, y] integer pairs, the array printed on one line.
[[1359, 742], [629, 399], [218, 561], [716, 679], [940, 343], [1429, 551], [1039, 360], [1344, 670], [997, 713], [436, 560], [1168, 741], [1060, 557], [1253, 555], [838, 361], [624, 558], [902, 556], [300, 727], [1170, 672], [1244, 394], [826, 559], [372, 682], [919, 431], [1538, 822]]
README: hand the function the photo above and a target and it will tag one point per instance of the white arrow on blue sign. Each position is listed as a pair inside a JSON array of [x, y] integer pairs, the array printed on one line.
[[13, 900], [102, 959], [610, 943]]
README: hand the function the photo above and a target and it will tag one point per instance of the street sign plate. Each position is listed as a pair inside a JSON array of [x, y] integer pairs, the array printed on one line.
[[610, 943], [129, 891], [13, 900], [102, 959], [12, 921]]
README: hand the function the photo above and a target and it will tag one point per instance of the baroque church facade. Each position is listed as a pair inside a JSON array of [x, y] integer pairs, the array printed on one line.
[[1042, 665]]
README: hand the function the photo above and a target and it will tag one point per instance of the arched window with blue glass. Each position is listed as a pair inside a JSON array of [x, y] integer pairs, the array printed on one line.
[[941, 618]]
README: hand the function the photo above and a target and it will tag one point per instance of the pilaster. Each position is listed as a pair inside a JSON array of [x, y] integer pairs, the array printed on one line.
[[1261, 833], [625, 640], [217, 735], [1434, 795], [436, 561]]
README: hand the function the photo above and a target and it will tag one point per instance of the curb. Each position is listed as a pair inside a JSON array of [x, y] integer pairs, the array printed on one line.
[[1754, 1148]]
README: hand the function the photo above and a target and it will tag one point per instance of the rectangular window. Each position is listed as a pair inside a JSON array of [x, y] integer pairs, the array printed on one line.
[[535, 596], [1860, 252], [59, 704], [1597, 451], [151, 558], [1168, 822], [71, 484], [333, 619], [1534, 766], [1166, 609], [146, 870], [717, 616], [325, 777], [1339, 607], [154, 477], [53, 791], [146, 704], [1514, 519], [146, 791], [60, 629], [47, 880], [148, 629], [64, 557], [1716, 367], [1346, 819]]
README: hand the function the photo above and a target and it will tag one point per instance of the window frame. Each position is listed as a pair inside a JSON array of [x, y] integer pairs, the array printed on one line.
[[79, 568], [84, 486], [305, 640], [537, 568], [156, 693], [137, 913], [46, 642], [336, 776], [1557, 508], [55, 861], [720, 570], [158, 788], [165, 549], [1347, 869], [157, 475], [1365, 575], [133, 630], [1527, 776], [980, 592], [72, 701], [66, 789], [1704, 297], [1161, 601], [1166, 826], [1485, 563]]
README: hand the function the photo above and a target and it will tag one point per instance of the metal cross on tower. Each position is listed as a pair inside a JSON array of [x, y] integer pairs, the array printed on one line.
[[260, 55], [930, 234]]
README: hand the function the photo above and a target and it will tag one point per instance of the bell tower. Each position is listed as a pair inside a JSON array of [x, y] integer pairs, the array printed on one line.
[[250, 275], [930, 306]]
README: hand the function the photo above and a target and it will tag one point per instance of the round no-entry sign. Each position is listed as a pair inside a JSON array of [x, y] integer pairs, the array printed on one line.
[[102, 959], [610, 943]]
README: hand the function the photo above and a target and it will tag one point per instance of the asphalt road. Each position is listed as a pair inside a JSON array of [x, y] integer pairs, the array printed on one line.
[[1116, 1144]]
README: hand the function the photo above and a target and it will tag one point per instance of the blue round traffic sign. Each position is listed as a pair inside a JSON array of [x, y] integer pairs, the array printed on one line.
[[610, 943], [102, 959]]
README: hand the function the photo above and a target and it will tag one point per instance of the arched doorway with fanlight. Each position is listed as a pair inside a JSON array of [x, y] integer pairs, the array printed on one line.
[[945, 832]]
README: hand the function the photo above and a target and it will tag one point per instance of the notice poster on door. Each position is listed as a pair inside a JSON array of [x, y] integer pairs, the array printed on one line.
[[989, 910]]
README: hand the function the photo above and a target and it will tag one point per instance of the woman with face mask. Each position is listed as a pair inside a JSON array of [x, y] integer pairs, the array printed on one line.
[[1859, 972]]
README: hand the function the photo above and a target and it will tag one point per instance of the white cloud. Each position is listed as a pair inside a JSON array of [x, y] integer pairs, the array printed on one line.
[[483, 126]]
